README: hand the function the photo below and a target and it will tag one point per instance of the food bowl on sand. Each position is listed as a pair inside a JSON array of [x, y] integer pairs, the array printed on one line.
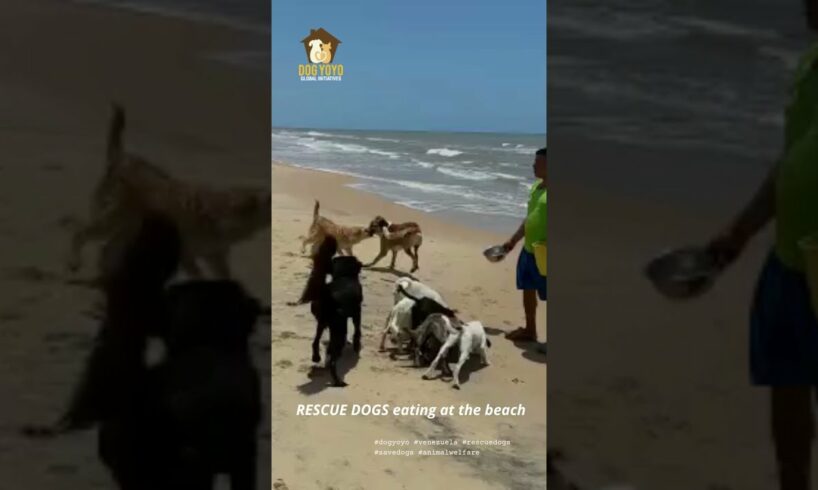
[[496, 253], [683, 273], [809, 249]]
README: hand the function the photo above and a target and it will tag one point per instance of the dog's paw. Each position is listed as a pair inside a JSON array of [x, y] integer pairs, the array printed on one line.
[[456, 387], [340, 384], [426, 376], [316, 358]]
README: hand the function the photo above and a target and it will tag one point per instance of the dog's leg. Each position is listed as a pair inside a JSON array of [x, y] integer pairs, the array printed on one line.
[[311, 237], [96, 230], [356, 336], [377, 259], [316, 343], [337, 340], [382, 347], [394, 256], [416, 258], [243, 473], [441, 354], [464, 356], [484, 357]]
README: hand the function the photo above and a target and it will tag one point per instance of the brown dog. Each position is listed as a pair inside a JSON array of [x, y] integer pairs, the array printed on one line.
[[346, 236], [395, 237]]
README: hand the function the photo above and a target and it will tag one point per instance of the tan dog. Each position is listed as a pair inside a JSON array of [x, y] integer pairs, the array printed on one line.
[[346, 236], [395, 237], [209, 220], [327, 52]]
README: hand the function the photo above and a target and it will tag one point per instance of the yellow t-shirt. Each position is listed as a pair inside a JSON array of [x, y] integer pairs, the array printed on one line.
[[796, 193], [536, 222]]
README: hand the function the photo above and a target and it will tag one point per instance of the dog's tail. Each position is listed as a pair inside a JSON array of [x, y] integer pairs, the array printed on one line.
[[115, 129], [315, 210]]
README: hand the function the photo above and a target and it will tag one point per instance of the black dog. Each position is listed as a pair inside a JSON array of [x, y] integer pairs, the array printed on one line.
[[175, 425], [211, 390], [334, 303]]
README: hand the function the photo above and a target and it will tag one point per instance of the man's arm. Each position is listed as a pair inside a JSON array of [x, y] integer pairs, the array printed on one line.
[[728, 245], [516, 237]]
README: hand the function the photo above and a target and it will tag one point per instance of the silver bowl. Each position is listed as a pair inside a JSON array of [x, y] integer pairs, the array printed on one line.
[[683, 273], [495, 254]]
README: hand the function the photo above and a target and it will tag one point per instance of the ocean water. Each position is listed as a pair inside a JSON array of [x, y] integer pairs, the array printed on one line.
[[481, 177], [708, 75], [244, 15]]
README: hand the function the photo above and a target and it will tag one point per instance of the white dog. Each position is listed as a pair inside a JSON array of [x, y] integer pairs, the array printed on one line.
[[317, 53], [416, 289], [399, 320], [469, 337]]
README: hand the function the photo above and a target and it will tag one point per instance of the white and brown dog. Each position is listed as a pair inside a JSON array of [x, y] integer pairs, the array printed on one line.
[[395, 237]]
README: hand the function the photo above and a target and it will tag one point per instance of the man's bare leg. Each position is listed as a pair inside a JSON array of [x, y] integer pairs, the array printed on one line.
[[793, 430]]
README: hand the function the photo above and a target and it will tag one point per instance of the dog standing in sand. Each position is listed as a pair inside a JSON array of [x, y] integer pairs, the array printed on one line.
[[396, 237], [209, 220], [346, 236]]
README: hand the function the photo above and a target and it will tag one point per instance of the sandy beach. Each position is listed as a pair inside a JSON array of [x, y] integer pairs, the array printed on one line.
[[327, 452], [60, 66], [642, 389]]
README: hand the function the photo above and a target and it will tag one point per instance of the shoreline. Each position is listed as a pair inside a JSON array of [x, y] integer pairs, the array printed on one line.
[[499, 226]]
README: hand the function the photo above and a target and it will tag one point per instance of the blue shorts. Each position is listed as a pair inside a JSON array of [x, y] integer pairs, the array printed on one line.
[[783, 329], [528, 276]]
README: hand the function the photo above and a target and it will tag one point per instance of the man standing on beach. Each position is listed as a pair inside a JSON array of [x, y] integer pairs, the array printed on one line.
[[783, 325], [534, 230]]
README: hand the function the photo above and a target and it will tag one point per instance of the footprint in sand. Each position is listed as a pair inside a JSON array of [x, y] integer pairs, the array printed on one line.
[[280, 485], [287, 335], [284, 364]]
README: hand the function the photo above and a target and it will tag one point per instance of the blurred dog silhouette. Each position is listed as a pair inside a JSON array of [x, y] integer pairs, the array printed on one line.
[[178, 424]]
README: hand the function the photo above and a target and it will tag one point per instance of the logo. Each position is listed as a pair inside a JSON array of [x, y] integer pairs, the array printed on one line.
[[321, 48]]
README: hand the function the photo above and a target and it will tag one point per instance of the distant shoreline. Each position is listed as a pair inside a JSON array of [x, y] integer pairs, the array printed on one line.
[[500, 225]]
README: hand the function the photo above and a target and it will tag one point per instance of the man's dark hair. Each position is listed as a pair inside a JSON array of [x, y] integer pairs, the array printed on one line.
[[541, 152]]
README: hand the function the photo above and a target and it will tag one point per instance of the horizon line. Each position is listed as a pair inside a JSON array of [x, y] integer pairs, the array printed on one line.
[[410, 130]]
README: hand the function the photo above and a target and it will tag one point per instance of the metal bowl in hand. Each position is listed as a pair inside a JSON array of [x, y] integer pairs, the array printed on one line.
[[495, 254], [683, 273]]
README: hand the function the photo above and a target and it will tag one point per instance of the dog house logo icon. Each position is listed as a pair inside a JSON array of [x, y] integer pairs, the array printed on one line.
[[321, 46]]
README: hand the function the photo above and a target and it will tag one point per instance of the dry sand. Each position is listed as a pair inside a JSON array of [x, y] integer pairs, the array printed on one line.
[[60, 66], [326, 452]]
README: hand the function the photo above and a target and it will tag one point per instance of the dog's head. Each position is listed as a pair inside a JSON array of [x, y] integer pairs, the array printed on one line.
[[346, 266], [315, 44], [377, 225], [402, 283]]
